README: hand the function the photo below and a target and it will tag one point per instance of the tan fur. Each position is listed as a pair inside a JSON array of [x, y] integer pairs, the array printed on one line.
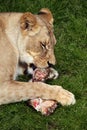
[[28, 38]]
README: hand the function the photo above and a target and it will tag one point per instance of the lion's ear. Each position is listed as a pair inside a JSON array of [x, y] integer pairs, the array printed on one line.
[[46, 14], [27, 21]]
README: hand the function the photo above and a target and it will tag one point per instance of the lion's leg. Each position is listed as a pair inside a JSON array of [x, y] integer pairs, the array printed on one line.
[[14, 91]]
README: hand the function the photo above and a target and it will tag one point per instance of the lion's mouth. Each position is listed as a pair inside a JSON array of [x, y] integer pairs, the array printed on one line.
[[28, 69], [32, 66], [38, 74], [43, 74]]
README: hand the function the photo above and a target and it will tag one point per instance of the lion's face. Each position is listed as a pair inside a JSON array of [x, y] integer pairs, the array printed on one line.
[[39, 40]]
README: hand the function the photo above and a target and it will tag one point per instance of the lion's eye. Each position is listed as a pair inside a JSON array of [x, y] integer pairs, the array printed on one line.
[[43, 45]]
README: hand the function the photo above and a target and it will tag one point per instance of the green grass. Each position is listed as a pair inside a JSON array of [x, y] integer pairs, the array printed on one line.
[[71, 53]]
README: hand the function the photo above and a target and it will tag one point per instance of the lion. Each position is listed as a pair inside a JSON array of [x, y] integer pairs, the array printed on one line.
[[28, 39]]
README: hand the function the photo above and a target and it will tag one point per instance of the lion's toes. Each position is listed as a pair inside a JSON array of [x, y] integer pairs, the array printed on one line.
[[66, 97]]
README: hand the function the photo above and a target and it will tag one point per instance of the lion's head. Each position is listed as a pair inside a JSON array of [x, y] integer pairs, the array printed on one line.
[[38, 39]]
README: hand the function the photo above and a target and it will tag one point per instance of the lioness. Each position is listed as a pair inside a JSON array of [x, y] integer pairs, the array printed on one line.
[[27, 38]]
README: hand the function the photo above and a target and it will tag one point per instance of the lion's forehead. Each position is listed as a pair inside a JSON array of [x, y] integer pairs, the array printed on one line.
[[44, 36]]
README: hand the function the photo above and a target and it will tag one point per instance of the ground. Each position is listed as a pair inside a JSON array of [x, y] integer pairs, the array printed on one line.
[[70, 27]]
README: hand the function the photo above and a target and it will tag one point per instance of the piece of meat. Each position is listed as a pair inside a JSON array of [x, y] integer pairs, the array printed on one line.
[[46, 107], [40, 74]]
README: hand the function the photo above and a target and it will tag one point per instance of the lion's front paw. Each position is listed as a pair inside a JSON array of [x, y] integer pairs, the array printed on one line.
[[64, 97]]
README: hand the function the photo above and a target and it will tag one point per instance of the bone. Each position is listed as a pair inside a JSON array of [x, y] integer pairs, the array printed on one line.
[[46, 107]]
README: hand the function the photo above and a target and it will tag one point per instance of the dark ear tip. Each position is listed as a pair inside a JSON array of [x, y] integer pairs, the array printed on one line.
[[46, 14], [41, 13], [45, 10]]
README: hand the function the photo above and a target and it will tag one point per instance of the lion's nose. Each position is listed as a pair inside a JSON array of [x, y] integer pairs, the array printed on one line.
[[50, 64]]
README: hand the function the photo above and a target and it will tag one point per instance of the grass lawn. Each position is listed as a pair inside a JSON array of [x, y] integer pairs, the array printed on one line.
[[70, 29]]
